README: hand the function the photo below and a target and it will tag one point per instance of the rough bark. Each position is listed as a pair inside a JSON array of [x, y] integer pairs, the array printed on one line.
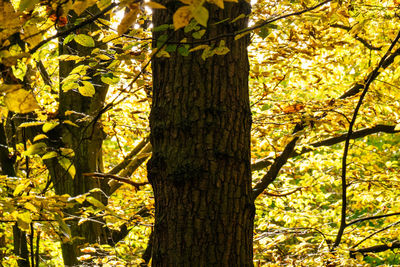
[[200, 167]]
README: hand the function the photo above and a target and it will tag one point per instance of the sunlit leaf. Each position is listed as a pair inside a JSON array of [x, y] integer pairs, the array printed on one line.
[[128, 19], [87, 89], [84, 40], [182, 17], [21, 101]]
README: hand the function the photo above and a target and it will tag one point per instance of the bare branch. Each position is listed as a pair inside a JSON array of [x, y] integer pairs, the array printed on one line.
[[132, 166], [358, 38], [115, 177], [366, 86], [275, 168], [380, 128], [372, 218], [284, 194], [128, 158], [376, 249]]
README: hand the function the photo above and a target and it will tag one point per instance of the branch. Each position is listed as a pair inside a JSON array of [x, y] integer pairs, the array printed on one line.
[[366, 86], [115, 177], [275, 168], [358, 38], [131, 167], [73, 29], [128, 158], [263, 163], [386, 61], [284, 194], [372, 218], [375, 249]]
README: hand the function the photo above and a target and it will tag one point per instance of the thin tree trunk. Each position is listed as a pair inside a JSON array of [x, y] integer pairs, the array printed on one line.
[[200, 168], [86, 142]]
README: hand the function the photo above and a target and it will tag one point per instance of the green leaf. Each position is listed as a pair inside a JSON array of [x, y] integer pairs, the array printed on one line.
[[38, 148], [171, 48], [200, 14], [198, 34], [163, 27], [84, 40], [109, 78], [68, 39], [87, 89], [183, 50]]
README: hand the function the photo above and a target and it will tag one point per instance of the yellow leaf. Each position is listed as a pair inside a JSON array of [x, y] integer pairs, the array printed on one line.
[[21, 101], [9, 87], [39, 137], [31, 207], [80, 6], [49, 155], [397, 127], [70, 123], [21, 187], [199, 47], [87, 89], [182, 17], [8, 17], [95, 202], [128, 19], [187, 2], [68, 166], [70, 58], [84, 40], [219, 3], [32, 35], [155, 5], [48, 126]]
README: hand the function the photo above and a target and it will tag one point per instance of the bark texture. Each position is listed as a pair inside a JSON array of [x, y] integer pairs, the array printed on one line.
[[200, 132]]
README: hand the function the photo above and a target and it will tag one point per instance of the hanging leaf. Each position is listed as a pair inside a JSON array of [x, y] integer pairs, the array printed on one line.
[[128, 19], [68, 166], [20, 101], [84, 40], [48, 126], [37, 148], [182, 17], [39, 137], [49, 155], [200, 14], [63, 226], [87, 89]]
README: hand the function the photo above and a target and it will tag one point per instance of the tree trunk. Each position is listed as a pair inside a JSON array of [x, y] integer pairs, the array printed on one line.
[[86, 142], [200, 132]]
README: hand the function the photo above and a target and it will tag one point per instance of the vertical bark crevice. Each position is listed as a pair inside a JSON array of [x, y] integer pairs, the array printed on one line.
[[200, 168]]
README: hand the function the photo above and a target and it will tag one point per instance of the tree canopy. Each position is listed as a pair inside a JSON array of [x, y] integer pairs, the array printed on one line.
[[76, 91]]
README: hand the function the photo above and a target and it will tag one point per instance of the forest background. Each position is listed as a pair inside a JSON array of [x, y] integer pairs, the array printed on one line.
[[76, 90]]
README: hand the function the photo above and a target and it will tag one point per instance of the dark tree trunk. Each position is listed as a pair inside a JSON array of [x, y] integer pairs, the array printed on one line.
[[200, 132]]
